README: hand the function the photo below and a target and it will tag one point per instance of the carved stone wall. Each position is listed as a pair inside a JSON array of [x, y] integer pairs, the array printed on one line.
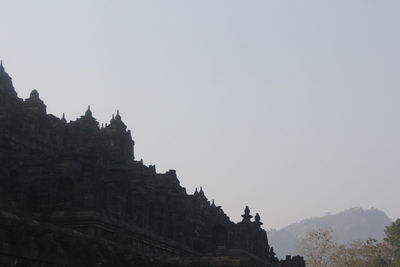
[[82, 179]]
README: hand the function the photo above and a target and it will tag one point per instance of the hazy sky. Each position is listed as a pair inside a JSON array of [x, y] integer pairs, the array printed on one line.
[[290, 107]]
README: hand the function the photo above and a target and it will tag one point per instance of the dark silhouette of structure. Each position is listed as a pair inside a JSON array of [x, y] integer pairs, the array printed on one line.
[[71, 194]]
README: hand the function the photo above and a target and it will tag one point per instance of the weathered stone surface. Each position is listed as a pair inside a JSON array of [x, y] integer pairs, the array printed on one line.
[[71, 194]]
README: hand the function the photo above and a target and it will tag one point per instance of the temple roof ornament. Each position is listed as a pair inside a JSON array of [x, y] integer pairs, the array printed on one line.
[[63, 118], [34, 103], [87, 121], [213, 203], [34, 94], [88, 112], [1, 67], [246, 216], [6, 85], [201, 190], [117, 123], [118, 117], [257, 219]]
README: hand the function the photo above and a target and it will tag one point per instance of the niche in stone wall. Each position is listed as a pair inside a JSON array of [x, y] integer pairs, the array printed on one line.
[[151, 215], [115, 199], [129, 206], [220, 236]]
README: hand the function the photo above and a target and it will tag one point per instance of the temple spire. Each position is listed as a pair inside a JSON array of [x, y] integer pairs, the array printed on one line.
[[213, 203], [88, 112], [257, 219], [118, 117], [63, 117], [34, 103], [201, 190], [34, 94]]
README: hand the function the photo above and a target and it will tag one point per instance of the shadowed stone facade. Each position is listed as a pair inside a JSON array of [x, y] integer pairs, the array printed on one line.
[[72, 194]]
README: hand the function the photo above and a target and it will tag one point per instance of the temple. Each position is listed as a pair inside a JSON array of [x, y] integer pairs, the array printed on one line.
[[72, 194]]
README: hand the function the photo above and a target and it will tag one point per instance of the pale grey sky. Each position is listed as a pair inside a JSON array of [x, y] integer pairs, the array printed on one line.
[[290, 107]]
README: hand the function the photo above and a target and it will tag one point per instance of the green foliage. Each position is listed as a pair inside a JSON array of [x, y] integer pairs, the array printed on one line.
[[393, 234], [393, 239]]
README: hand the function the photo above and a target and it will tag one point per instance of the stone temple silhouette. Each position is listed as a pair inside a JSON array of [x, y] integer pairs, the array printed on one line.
[[72, 194]]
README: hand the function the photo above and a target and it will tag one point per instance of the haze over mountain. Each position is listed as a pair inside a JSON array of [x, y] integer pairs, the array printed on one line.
[[348, 225]]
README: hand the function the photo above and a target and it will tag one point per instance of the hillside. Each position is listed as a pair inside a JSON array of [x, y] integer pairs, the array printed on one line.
[[349, 225]]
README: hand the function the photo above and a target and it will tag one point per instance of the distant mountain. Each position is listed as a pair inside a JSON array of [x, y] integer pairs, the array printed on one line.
[[349, 225]]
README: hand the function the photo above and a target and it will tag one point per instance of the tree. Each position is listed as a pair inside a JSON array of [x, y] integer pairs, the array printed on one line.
[[393, 233], [393, 240], [317, 248], [368, 253]]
